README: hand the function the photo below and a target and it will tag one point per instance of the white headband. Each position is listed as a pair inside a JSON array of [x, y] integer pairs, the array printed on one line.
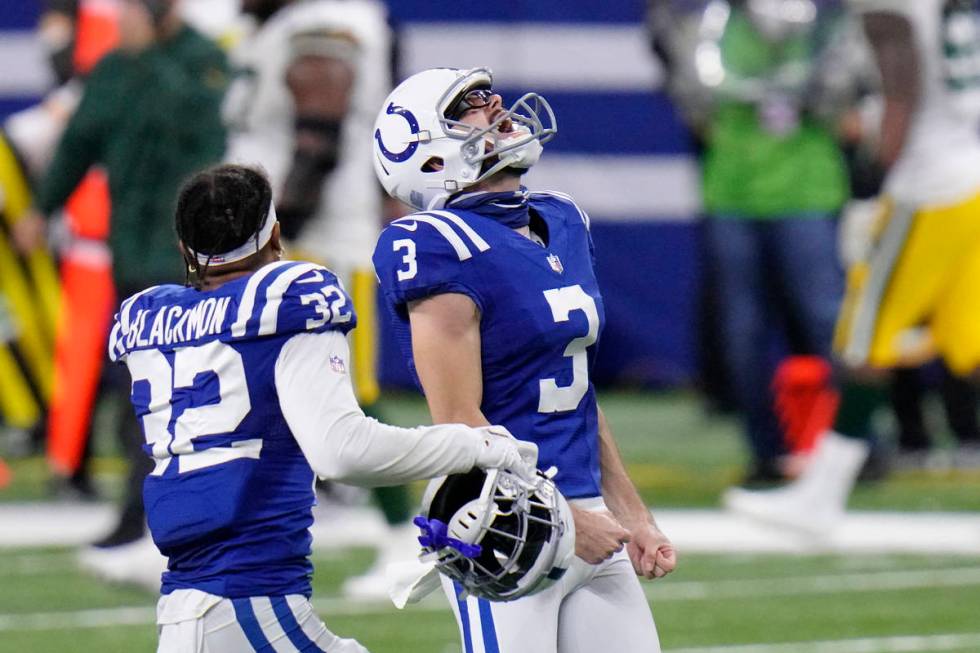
[[248, 248]]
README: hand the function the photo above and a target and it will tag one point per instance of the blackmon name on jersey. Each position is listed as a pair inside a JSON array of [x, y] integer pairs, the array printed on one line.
[[230, 498], [541, 314]]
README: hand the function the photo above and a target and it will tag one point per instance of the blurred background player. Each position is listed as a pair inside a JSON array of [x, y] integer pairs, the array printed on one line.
[[493, 294], [150, 116], [916, 294], [240, 381], [307, 84], [750, 78]]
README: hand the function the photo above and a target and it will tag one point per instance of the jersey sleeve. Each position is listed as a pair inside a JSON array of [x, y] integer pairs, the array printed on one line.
[[415, 259], [293, 297]]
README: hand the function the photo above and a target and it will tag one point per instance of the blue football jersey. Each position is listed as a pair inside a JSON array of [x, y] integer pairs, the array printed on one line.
[[230, 499], [541, 316]]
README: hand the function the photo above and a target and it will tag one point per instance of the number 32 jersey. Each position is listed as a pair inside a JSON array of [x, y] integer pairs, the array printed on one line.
[[230, 499], [541, 315]]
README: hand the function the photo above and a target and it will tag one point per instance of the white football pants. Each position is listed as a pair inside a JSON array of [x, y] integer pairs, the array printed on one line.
[[260, 623], [592, 608]]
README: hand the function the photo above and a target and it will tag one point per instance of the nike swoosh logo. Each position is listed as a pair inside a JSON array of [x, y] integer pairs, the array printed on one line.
[[406, 225]]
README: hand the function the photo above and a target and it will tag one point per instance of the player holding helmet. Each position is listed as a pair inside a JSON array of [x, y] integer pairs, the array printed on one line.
[[241, 385], [495, 300]]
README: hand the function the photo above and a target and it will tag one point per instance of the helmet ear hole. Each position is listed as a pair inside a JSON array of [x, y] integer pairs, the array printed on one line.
[[433, 164]]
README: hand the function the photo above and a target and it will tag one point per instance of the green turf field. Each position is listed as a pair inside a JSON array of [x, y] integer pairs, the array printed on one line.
[[713, 604], [713, 601]]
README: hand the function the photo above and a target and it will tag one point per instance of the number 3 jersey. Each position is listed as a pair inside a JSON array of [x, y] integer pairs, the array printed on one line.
[[230, 498], [540, 319]]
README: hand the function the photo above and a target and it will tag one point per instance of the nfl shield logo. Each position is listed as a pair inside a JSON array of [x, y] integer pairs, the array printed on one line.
[[555, 263], [337, 364]]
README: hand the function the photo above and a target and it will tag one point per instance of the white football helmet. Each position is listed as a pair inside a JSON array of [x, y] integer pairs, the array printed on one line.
[[422, 154], [495, 534]]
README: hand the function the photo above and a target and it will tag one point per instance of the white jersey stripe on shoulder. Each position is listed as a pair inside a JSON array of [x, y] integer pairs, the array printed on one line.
[[115, 343], [481, 244], [462, 251], [564, 196], [124, 310], [274, 293], [247, 302]]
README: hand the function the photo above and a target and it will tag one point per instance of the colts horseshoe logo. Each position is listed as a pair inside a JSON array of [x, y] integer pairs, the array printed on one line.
[[413, 124]]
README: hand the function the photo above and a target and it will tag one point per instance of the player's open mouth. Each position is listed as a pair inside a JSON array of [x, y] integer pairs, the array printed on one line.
[[506, 126]]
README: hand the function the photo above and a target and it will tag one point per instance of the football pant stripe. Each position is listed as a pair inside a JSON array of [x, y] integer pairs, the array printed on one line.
[[489, 630], [883, 263], [270, 626], [274, 293], [311, 624], [478, 241], [462, 251], [250, 625], [291, 626], [247, 302], [464, 619]]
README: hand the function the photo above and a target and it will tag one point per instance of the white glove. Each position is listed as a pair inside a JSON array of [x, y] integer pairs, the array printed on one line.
[[503, 451]]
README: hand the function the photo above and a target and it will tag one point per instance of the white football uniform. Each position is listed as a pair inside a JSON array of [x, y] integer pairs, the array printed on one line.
[[260, 116], [918, 293], [940, 163]]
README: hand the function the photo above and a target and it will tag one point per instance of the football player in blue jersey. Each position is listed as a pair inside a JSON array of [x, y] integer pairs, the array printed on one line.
[[240, 382], [494, 296]]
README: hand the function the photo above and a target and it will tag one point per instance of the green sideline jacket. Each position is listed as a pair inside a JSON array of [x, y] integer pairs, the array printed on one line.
[[151, 120], [750, 171]]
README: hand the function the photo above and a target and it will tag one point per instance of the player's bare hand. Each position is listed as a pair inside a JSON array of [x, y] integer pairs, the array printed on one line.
[[28, 233], [652, 554], [597, 535]]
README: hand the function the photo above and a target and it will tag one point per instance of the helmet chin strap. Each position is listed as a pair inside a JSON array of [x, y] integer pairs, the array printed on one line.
[[523, 157]]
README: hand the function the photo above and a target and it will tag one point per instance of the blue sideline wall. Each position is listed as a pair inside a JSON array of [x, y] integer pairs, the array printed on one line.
[[620, 151]]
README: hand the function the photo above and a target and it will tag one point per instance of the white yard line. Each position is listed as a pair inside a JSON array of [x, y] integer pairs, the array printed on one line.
[[35, 564], [911, 644], [884, 581], [663, 593], [103, 618], [136, 616], [693, 531]]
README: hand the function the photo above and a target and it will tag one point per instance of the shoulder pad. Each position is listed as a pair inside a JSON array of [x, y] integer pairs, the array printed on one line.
[[124, 322], [291, 297], [424, 253], [562, 200]]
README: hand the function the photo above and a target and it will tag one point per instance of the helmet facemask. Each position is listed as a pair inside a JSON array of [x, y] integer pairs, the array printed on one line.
[[529, 122], [496, 535]]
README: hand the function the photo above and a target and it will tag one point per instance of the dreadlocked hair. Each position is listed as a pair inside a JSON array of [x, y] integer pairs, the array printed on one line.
[[218, 210]]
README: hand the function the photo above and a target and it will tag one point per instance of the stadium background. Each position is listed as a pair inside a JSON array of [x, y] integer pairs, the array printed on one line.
[[620, 150]]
